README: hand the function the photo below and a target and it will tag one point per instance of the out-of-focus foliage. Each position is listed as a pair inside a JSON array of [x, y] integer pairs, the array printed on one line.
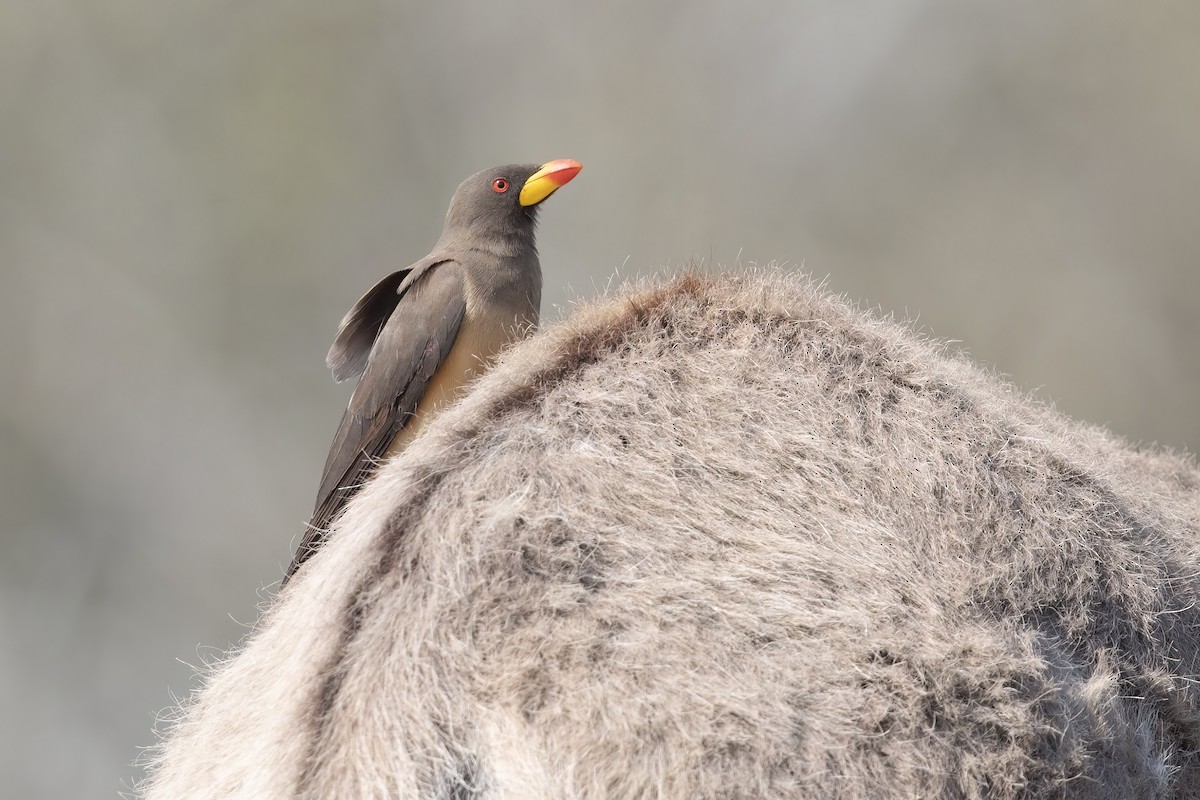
[[192, 193]]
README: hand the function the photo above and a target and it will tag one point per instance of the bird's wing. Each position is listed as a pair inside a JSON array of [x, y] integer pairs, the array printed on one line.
[[362, 323], [407, 350]]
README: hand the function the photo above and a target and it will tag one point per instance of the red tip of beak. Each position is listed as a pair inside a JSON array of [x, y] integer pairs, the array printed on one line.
[[561, 171]]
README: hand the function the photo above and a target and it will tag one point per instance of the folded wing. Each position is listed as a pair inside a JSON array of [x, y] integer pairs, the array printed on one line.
[[397, 364]]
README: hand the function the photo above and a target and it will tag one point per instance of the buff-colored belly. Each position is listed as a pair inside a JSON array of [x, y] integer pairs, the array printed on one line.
[[477, 345]]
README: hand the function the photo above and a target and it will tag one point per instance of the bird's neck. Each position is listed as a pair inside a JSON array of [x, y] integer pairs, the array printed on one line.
[[499, 244]]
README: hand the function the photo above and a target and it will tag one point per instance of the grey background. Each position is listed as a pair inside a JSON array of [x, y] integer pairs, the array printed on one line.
[[192, 193]]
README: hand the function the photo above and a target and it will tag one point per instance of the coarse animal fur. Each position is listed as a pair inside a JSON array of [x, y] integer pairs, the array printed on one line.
[[729, 537]]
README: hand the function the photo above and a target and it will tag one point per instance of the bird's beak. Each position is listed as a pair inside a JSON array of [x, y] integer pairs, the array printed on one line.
[[542, 183]]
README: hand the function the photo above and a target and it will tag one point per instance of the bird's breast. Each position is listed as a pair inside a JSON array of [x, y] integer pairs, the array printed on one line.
[[481, 337]]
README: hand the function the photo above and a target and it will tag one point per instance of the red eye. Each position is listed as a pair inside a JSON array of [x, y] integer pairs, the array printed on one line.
[[500, 185]]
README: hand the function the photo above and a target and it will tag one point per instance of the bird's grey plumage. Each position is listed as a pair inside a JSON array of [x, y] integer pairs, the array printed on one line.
[[417, 334], [356, 334], [453, 310]]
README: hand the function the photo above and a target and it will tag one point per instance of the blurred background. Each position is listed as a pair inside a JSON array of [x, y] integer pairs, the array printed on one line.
[[192, 192]]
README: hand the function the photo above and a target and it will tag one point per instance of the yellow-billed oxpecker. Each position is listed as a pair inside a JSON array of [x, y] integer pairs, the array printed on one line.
[[421, 334]]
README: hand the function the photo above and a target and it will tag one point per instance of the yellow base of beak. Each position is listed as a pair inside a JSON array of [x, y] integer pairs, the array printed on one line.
[[542, 183]]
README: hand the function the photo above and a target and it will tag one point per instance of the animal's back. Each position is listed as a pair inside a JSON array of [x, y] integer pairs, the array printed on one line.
[[730, 537]]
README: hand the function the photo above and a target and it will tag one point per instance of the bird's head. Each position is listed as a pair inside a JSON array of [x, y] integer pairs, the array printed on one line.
[[504, 200]]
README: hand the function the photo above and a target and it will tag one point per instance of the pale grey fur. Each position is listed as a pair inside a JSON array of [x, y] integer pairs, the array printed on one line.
[[729, 537]]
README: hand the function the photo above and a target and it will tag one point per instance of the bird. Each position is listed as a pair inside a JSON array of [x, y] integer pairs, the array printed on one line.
[[420, 335]]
